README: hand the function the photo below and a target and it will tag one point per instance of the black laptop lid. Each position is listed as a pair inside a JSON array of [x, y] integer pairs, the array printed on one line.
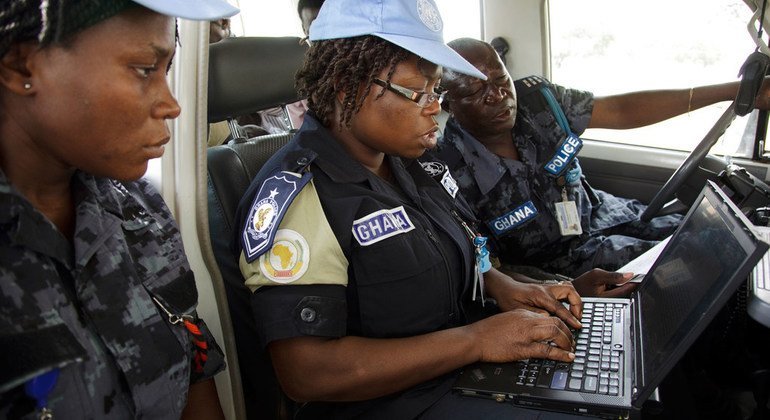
[[705, 261]]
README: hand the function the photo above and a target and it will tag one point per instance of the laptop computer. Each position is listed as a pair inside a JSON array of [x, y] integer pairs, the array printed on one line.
[[634, 342], [758, 305]]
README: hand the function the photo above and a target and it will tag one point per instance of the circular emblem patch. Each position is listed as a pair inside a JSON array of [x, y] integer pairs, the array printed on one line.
[[433, 168], [429, 15], [263, 216], [288, 259]]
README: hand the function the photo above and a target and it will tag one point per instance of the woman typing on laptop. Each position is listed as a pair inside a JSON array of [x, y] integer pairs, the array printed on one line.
[[362, 267]]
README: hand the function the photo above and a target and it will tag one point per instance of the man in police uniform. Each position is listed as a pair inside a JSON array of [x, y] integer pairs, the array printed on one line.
[[513, 149]]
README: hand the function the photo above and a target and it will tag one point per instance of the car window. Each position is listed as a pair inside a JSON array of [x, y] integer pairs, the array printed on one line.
[[654, 44]]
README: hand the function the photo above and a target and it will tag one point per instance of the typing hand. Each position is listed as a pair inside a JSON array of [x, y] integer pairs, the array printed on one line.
[[543, 299], [522, 334]]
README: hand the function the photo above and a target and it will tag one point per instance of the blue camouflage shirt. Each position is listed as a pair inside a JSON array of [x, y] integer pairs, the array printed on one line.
[[95, 307], [516, 199]]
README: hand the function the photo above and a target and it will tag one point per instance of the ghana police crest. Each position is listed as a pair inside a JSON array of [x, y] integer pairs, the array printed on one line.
[[268, 208], [440, 173], [380, 225]]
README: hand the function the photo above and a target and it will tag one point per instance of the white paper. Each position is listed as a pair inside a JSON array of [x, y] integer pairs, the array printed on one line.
[[641, 264]]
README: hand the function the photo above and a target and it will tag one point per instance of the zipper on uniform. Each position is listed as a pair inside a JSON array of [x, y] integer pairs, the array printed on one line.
[[448, 273]]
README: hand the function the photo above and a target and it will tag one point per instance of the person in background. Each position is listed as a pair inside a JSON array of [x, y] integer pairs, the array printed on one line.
[[274, 120], [98, 302], [308, 11], [513, 146], [363, 268], [219, 29]]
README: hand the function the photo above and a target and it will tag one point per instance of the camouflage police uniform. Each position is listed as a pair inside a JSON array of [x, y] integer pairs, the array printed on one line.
[[355, 255], [96, 307], [516, 199]]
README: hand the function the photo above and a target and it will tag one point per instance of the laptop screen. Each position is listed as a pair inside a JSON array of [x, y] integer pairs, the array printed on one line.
[[694, 268]]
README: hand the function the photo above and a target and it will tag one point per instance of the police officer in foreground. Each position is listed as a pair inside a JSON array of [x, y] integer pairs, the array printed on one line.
[[97, 299], [362, 268], [513, 146]]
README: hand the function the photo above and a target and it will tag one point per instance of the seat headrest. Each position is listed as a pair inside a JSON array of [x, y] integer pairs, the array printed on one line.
[[249, 74]]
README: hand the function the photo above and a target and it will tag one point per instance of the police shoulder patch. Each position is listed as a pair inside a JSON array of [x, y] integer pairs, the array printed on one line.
[[288, 258], [565, 154], [268, 208]]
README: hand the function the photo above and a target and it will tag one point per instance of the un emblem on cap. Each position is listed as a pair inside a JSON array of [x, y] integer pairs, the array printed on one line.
[[429, 15]]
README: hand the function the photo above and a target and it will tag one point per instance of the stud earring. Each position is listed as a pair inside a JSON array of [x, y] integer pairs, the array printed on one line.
[[27, 86]]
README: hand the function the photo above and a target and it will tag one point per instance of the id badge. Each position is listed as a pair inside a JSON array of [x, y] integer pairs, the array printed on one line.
[[478, 285], [567, 216]]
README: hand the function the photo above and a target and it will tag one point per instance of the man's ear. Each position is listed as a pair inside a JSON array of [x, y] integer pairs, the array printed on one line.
[[15, 74]]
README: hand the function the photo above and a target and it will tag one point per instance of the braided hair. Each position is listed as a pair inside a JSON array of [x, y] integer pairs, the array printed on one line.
[[343, 65], [52, 21]]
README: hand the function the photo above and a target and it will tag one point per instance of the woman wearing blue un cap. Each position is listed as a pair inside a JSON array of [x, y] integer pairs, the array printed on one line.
[[362, 267], [97, 300]]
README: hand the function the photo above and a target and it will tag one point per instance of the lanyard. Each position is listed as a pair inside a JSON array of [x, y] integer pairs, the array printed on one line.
[[39, 388], [561, 119]]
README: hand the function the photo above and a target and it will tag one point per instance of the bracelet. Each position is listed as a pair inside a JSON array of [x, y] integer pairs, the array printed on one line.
[[689, 102]]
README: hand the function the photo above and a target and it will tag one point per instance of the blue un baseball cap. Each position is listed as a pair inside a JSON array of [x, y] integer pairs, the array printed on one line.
[[191, 9], [414, 25]]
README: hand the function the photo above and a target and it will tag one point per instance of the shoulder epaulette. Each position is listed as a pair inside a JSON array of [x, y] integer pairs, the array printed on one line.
[[267, 210], [529, 84]]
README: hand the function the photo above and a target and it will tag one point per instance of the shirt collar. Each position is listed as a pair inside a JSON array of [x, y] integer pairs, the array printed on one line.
[[332, 158], [93, 196], [486, 167], [337, 163]]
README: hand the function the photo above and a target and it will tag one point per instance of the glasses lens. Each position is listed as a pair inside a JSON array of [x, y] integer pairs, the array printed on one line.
[[428, 99]]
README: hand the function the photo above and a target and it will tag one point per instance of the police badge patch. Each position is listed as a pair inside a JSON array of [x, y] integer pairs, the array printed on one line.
[[440, 173], [269, 206], [433, 169]]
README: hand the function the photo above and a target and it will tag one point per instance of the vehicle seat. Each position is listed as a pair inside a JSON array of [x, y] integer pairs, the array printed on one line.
[[246, 75], [251, 74]]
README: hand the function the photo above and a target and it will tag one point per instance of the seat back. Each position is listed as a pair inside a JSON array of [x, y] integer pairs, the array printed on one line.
[[250, 74], [246, 75], [231, 168]]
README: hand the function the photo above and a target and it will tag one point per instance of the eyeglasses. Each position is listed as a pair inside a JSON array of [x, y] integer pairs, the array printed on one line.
[[423, 99]]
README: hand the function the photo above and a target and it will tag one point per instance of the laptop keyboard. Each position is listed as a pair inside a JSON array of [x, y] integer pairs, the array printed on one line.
[[597, 367]]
